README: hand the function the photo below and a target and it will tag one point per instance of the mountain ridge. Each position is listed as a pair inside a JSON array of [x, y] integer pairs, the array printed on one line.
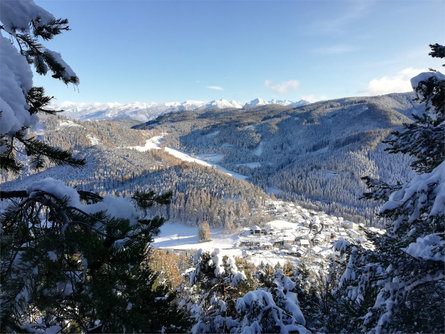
[[314, 154], [143, 111]]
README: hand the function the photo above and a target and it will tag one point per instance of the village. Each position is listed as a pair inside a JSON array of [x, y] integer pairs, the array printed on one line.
[[298, 234], [289, 234]]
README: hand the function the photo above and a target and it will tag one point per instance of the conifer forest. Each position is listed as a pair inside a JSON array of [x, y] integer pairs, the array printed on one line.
[[272, 216]]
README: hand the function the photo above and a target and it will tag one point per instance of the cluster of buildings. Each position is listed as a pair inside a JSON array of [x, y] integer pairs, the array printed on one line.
[[296, 233]]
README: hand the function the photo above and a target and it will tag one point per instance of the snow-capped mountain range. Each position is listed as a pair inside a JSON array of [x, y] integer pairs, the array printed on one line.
[[142, 111]]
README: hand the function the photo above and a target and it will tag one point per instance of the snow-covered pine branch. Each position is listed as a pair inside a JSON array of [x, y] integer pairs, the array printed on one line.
[[399, 286], [23, 23]]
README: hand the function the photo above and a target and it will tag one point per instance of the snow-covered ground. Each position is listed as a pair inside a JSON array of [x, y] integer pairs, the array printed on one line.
[[69, 123], [292, 234], [208, 160], [183, 237], [185, 157], [213, 158], [180, 237], [154, 143], [259, 150], [93, 140]]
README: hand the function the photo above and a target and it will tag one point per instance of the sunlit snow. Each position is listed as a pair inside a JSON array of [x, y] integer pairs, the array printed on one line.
[[69, 123], [93, 140], [153, 143], [185, 157]]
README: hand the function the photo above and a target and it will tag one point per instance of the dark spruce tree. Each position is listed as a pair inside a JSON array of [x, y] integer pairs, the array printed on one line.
[[79, 269], [69, 261], [399, 286], [26, 23]]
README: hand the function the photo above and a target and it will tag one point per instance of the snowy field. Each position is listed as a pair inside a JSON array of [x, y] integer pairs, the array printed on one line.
[[291, 234], [177, 236], [181, 236]]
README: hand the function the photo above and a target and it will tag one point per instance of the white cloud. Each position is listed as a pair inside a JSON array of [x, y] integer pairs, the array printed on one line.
[[398, 83], [284, 87], [215, 87]]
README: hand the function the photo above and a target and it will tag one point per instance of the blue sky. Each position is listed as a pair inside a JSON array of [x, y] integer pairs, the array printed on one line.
[[126, 51]]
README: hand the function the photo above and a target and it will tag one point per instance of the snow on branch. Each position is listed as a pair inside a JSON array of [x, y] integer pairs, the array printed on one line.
[[18, 15], [420, 186], [15, 81], [114, 206]]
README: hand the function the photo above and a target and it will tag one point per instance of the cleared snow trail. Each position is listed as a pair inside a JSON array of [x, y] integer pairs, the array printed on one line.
[[185, 157], [154, 143]]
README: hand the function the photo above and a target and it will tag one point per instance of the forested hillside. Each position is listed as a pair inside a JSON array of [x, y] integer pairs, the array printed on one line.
[[315, 153], [117, 164], [110, 225]]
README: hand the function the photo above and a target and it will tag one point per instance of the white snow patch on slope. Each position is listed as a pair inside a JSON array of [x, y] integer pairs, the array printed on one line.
[[233, 174], [212, 134], [151, 144], [212, 158], [93, 140], [273, 190], [154, 143], [282, 225], [68, 123], [185, 157]]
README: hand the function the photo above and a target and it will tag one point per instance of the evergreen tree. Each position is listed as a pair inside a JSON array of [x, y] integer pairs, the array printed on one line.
[[77, 268], [214, 286], [399, 286], [69, 260], [204, 231], [226, 296], [26, 23]]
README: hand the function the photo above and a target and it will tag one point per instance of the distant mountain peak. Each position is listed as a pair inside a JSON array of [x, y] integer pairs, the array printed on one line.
[[255, 102], [143, 111]]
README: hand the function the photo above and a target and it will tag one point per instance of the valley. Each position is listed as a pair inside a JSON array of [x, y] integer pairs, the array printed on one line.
[[279, 186], [292, 235], [223, 164], [316, 207], [229, 166]]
